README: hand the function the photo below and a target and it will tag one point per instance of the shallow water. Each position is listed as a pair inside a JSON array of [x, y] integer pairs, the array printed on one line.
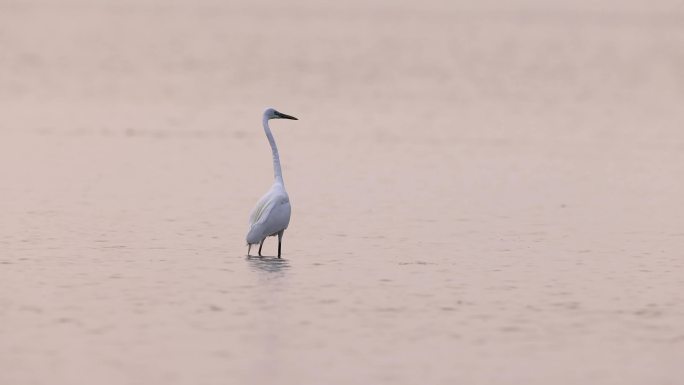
[[480, 195]]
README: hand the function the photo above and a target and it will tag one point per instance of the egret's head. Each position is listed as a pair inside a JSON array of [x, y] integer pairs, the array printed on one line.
[[273, 114]]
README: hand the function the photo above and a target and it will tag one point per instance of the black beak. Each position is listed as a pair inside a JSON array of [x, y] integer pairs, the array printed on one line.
[[284, 116]]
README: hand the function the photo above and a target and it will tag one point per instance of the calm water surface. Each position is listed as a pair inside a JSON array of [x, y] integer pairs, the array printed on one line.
[[479, 197]]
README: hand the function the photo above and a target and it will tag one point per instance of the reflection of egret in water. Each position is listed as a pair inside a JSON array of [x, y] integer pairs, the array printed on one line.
[[269, 307], [269, 264]]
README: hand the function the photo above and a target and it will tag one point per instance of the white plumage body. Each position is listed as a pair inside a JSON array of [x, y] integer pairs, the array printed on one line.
[[270, 216]]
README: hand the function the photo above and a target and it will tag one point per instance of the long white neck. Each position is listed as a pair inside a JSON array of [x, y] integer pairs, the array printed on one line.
[[276, 158]]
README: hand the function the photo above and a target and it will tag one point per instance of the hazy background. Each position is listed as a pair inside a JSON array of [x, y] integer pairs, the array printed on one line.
[[483, 193]]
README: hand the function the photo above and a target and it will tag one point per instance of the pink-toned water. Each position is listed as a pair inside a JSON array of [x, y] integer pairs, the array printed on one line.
[[482, 194]]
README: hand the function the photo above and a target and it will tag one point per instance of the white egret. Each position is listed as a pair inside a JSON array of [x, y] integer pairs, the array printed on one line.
[[271, 215]]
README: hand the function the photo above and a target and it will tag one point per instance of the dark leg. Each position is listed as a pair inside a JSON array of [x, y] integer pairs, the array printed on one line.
[[280, 239], [249, 247], [261, 245]]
